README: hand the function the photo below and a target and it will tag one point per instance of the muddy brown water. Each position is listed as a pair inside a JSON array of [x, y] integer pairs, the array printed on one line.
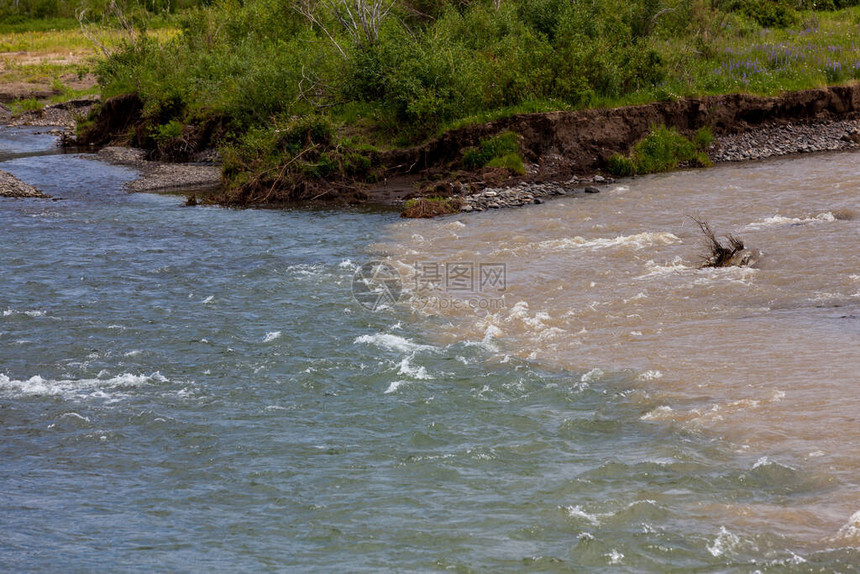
[[765, 360]]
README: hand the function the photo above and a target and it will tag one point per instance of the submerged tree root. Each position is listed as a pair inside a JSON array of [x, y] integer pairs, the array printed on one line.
[[731, 254]]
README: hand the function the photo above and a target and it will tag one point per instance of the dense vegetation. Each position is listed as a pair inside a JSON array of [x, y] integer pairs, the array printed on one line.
[[324, 82], [65, 12]]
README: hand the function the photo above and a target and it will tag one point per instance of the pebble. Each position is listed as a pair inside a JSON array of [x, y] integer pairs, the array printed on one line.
[[525, 193], [11, 186], [786, 139], [758, 143]]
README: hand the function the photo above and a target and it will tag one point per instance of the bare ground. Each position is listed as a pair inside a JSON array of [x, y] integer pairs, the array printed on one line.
[[159, 176], [40, 87]]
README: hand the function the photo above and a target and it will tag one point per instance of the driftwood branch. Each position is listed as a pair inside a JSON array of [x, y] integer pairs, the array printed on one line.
[[719, 254]]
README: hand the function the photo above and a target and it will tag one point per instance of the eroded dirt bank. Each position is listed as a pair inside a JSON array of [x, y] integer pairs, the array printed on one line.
[[565, 148], [562, 144]]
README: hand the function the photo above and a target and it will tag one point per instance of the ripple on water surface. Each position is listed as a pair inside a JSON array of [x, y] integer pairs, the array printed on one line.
[[196, 389]]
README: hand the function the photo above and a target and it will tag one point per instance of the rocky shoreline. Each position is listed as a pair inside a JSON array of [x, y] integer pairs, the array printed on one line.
[[762, 142], [159, 176], [787, 139], [525, 193], [11, 186], [556, 144], [63, 116]]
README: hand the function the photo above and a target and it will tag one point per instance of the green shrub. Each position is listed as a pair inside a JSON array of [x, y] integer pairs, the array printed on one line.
[[492, 148], [621, 166], [170, 130], [663, 149], [766, 13], [511, 162], [703, 138], [25, 105]]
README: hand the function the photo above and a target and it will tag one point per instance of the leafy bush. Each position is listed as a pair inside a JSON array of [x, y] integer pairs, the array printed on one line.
[[621, 166], [662, 150], [766, 13], [170, 130], [511, 162], [262, 64], [496, 148]]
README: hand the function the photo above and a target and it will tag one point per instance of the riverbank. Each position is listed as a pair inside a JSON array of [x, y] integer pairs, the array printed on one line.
[[158, 176], [11, 186], [765, 141], [565, 153]]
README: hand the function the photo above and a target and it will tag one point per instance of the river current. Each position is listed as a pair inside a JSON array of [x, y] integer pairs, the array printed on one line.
[[557, 388]]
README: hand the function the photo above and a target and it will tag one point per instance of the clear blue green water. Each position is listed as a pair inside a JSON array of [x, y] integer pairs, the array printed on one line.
[[192, 390]]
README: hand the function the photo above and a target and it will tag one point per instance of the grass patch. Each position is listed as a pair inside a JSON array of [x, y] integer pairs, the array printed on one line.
[[25, 105], [500, 151], [511, 162], [428, 207], [664, 149], [30, 25]]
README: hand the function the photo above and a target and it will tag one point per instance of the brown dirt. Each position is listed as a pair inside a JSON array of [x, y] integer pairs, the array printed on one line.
[[40, 88], [113, 122], [569, 143], [557, 145]]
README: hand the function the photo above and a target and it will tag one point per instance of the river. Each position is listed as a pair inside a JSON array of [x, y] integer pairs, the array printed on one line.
[[557, 388]]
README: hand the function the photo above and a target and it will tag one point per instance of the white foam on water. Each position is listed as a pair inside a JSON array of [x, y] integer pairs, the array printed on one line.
[[637, 241], [676, 266], [723, 543], [638, 297], [408, 370], [306, 269], [851, 530], [391, 342], [661, 413], [591, 376], [392, 388], [208, 299], [578, 512], [763, 461], [271, 336], [779, 220], [649, 376], [32, 313], [73, 389], [75, 416], [347, 264], [733, 274], [615, 557]]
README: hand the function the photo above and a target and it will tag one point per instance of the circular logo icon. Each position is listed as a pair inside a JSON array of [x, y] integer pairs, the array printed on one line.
[[376, 285]]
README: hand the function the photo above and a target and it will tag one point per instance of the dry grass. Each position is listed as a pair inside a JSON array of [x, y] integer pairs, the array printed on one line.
[[429, 207], [54, 64]]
